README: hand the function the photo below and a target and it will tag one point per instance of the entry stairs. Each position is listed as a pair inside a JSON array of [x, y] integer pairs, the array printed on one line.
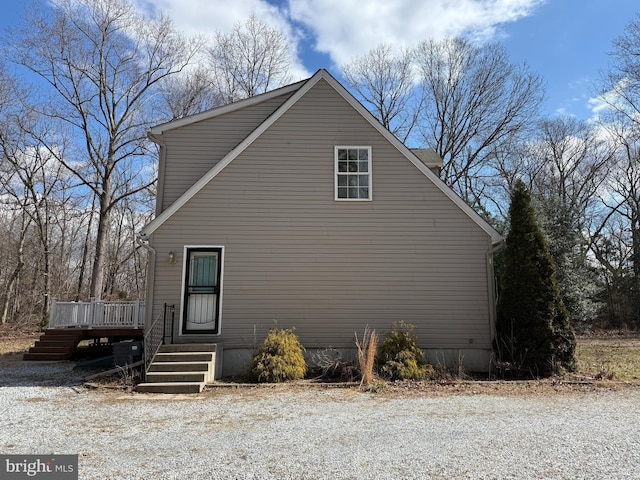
[[180, 368]]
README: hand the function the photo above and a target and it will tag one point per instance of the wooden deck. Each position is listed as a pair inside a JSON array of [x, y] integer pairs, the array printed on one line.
[[61, 343], [72, 322], [97, 314]]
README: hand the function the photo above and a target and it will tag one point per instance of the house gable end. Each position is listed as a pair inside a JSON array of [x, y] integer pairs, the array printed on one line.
[[299, 93]]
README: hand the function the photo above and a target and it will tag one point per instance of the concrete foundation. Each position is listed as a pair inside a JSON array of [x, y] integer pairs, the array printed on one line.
[[238, 361]]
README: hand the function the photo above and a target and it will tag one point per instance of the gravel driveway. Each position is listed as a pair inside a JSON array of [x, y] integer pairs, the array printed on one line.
[[317, 433]]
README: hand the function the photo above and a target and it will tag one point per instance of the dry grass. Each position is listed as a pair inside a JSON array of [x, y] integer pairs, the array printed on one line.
[[611, 357], [367, 354], [14, 342], [16, 345]]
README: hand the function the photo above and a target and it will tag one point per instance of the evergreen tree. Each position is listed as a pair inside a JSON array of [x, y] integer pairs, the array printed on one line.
[[532, 329], [577, 279]]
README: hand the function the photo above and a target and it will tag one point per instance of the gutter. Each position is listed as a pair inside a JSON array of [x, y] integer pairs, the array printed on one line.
[[491, 285], [158, 140]]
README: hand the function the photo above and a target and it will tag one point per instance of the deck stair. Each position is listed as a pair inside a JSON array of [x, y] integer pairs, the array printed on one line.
[[60, 343], [180, 368], [55, 344]]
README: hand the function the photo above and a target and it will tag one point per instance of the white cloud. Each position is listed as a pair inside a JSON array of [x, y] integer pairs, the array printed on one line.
[[598, 105], [344, 29], [209, 16], [609, 100], [348, 28], [206, 17]]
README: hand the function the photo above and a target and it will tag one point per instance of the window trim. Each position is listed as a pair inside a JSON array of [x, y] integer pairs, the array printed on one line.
[[336, 174]]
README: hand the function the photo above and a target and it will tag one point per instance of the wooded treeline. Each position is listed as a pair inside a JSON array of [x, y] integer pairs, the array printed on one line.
[[82, 81]]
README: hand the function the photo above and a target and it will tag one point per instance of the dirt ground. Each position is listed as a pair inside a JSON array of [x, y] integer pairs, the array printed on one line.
[[599, 357]]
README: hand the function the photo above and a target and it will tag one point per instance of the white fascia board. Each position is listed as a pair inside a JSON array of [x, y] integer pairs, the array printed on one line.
[[214, 112]]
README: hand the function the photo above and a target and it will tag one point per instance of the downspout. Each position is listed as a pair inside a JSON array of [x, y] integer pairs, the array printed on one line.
[[142, 238], [143, 241], [157, 139], [491, 283]]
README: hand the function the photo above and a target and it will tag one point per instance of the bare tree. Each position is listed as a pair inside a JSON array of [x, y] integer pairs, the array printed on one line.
[[25, 198], [385, 82], [620, 85], [624, 204], [613, 250], [189, 93], [475, 102], [570, 160], [13, 198], [15, 225], [126, 264], [252, 59], [620, 114], [102, 63], [35, 187]]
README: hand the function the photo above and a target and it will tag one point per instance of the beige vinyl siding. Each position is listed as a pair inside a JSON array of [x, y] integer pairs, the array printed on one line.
[[295, 256], [195, 149]]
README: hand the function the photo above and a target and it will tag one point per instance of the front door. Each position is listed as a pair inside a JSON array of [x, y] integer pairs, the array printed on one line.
[[203, 279]]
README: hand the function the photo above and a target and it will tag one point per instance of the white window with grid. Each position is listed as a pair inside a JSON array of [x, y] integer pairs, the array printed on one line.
[[353, 173]]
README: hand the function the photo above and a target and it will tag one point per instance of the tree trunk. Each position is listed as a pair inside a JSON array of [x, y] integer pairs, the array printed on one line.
[[47, 283], [13, 279], [104, 218], [85, 251], [10, 286]]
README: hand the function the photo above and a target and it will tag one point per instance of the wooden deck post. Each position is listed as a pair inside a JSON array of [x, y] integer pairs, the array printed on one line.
[[136, 313], [92, 311]]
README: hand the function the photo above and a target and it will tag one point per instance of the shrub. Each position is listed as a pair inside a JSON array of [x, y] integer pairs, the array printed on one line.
[[279, 358], [329, 365], [400, 357]]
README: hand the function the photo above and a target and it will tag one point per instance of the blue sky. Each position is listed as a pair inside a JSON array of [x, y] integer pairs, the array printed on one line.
[[568, 42], [565, 41]]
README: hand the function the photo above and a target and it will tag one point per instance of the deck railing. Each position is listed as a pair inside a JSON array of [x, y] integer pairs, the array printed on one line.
[[97, 313]]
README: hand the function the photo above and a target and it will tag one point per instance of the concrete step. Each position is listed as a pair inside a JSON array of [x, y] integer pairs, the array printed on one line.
[[188, 347], [179, 366], [171, 387], [173, 377], [185, 357]]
